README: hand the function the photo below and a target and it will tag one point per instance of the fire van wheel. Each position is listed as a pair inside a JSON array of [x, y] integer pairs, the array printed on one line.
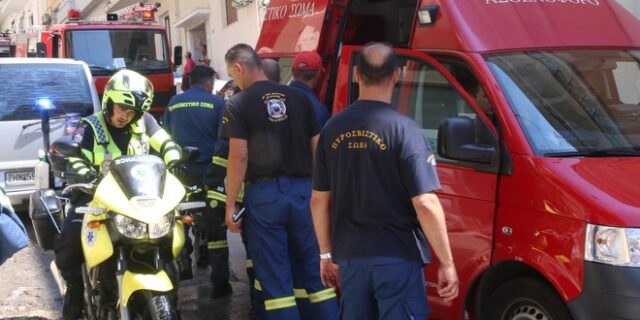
[[527, 299]]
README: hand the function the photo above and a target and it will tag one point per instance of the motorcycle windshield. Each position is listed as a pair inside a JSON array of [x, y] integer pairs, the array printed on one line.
[[139, 175]]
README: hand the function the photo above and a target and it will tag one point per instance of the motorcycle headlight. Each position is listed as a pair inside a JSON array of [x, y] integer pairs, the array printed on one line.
[[130, 228], [161, 227], [612, 245]]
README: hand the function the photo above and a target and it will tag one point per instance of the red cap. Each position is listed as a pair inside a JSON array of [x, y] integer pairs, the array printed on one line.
[[307, 61]]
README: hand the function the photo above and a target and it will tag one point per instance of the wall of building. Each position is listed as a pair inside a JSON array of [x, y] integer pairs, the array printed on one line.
[[631, 5], [211, 30], [245, 30], [29, 18], [6, 23], [91, 9]]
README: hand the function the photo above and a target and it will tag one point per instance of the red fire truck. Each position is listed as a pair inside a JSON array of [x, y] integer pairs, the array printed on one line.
[[131, 40], [532, 108]]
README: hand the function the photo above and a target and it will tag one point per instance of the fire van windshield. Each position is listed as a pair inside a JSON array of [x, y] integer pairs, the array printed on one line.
[[574, 102], [108, 50]]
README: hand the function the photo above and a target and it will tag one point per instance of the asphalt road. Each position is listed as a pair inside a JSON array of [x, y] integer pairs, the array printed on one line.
[[28, 290]]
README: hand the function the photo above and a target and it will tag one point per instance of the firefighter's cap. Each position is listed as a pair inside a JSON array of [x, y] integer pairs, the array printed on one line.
[[307, 61]]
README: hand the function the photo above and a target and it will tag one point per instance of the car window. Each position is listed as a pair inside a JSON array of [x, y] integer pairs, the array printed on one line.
[[425, 95], [65, 85], [572, 102]]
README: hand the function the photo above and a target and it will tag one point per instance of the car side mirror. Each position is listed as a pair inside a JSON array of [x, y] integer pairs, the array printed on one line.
[[457, 141], [41, 50], [68, 147], [177, 56]]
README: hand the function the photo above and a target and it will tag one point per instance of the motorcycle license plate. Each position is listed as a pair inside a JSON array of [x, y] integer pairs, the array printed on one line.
[[19, 177]]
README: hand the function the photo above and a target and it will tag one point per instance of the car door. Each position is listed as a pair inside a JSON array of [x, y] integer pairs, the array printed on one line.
[[428, 93]]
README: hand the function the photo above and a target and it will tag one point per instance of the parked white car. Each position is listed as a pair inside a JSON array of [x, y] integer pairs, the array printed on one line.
[[26, 85]]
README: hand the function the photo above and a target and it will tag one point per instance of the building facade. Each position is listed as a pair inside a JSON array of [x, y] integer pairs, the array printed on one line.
[[206, 28], [193, 24]]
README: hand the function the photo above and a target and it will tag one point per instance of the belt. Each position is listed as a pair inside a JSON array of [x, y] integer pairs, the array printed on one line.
[[270, 179], [261, 179]]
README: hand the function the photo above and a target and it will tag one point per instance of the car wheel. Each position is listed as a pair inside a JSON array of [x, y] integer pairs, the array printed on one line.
[[527, 299]]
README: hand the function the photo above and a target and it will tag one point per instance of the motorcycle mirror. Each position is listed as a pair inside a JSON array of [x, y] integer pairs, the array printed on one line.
[[89, 210], [191, 205], [41, 50], [177, 55], [68, 147]]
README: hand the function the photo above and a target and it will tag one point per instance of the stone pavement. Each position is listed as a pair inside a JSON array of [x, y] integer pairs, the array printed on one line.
[[28, 290]]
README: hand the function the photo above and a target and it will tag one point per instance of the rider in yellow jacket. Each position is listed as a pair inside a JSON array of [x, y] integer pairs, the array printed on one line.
[[123, 127]]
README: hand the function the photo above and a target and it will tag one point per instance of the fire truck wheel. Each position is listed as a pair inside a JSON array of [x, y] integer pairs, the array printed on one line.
[[527, 299]]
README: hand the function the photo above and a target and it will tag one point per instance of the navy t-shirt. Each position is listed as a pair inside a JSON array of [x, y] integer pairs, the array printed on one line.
[[373, 160], [322, 114], [278, 123]]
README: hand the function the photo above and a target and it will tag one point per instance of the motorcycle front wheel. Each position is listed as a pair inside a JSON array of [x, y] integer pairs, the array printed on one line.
[[150, 305]]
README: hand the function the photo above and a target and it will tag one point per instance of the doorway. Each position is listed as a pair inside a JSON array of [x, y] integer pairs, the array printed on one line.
[[198, 39]]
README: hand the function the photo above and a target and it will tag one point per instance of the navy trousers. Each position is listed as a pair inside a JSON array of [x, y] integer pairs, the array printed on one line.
[[68, 248], [385, 288], [255, 288], [217, 244], [278, 228]]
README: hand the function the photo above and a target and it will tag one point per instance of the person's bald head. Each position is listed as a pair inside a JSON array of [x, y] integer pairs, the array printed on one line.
[[271, 69], [376, 64]]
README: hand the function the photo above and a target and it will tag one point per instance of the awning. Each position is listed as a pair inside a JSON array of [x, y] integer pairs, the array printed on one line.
[[194, 18]]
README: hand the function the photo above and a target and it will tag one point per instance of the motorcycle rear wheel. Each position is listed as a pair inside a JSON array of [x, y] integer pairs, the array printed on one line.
[[151, 305]]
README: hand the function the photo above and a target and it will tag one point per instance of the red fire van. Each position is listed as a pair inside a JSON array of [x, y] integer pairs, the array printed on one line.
[[532, 109]]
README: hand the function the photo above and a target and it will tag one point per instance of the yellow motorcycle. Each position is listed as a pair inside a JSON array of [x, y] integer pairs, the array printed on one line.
[[132, 233]]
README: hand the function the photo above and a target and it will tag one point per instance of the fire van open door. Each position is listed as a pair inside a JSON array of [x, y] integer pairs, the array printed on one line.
[[429, 94], [307, 25]]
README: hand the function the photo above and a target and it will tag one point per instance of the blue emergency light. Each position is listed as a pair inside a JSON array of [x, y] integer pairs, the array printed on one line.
[[44, 104]]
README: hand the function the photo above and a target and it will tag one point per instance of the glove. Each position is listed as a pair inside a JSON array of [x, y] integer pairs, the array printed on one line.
[[91, 176], [180, 171]]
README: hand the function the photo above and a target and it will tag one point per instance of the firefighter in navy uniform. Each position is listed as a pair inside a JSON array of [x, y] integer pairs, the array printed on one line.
[[217, 244], [192, 119], [214, 181], [270, 148], [122, 127]]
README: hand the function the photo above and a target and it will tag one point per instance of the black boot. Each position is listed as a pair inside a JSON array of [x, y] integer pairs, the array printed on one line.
[[73, 301], [221, 290], [184, 268], [203, 259]]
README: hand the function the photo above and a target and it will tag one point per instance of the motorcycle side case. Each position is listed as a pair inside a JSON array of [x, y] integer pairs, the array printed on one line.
[[96, 242], [132, 282], [45, 211]]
